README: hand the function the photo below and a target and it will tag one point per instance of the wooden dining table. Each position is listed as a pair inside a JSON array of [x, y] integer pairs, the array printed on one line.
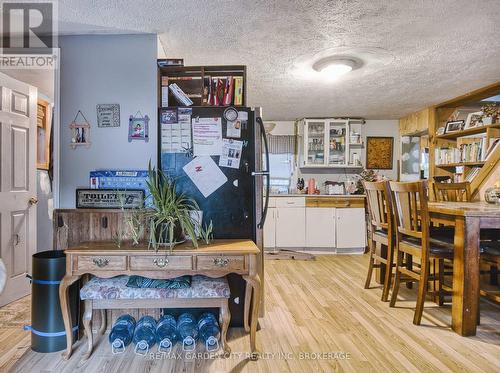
[[468, 218]]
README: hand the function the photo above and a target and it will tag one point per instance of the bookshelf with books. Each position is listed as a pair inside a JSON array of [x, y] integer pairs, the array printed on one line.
[[202, 86], [465, 141]]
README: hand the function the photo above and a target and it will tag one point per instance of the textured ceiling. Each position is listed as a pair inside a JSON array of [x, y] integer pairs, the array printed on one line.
[[416, 52]]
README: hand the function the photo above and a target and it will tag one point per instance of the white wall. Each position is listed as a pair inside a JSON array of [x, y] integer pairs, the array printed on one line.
[[106, 69], [389, 128]]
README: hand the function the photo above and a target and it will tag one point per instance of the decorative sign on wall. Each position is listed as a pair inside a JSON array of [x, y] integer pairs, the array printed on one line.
[[379, 153], [108, 115], [109, 199], [138, 127], [80, 131]]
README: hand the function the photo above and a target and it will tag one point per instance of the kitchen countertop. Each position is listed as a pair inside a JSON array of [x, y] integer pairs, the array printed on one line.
[[346, 196]]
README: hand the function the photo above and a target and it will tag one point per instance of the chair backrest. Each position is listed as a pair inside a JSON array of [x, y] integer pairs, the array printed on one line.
[[452, 192], [378, 198], [411, 213]]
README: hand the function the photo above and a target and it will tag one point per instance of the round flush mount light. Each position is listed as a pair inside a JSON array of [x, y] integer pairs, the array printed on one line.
[[340, 63], [333, 67]]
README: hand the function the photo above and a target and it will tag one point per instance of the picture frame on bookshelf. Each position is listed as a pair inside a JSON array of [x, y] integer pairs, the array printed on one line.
[[454, 126], [440, 131], [474, 120]]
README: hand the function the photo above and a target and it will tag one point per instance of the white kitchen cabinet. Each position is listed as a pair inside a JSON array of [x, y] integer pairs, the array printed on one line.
[[351, 228], [270, 229], [330, 143], [320, 227], [290, 227]]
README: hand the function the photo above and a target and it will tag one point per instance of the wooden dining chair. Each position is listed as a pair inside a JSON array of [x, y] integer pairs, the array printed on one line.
[[380, 232], [452, 192], [412, 228], [490, 257]]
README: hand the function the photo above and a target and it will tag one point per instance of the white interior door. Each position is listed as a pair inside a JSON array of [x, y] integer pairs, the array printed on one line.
[[17, 184]]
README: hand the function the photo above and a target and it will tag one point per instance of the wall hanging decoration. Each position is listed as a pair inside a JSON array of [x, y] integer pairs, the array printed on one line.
[[80, 132], [108, 115], [109, 199], [138, 127], [379, 153]]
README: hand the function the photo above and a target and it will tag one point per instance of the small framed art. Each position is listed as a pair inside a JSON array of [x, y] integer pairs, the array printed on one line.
[[138, 128], [379, 151]]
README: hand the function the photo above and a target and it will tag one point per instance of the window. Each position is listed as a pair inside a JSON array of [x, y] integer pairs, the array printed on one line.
[[280, 167]]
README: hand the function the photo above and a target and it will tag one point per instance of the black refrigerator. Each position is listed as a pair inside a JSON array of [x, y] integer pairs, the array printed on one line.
[[237, 209]]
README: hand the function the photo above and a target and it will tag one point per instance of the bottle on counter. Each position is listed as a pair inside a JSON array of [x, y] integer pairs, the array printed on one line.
[[311, 186]]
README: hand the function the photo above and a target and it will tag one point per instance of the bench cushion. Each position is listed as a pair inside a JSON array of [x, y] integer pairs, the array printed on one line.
[[115, 288]]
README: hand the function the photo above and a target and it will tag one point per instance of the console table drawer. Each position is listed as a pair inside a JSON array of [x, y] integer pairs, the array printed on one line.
[[109, 263], [218, 262], [150, 262]]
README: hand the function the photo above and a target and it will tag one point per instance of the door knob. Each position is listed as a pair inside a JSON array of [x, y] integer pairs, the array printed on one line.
[[33, 201]]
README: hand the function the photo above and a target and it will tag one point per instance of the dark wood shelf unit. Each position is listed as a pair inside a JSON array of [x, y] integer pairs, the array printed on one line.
[[196, 86]]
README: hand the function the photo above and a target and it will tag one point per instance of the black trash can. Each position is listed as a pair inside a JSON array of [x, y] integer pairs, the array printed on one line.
[[47, 326]]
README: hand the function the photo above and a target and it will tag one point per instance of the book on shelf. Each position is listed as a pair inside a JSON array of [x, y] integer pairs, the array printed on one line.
[[492, 147], [180, 96], [472, 173], [470, 149], [228, 91], [238, 90]]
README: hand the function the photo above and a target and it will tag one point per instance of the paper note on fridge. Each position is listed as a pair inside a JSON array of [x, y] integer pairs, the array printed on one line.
[[205, 174], [207, 136], [231, 153]]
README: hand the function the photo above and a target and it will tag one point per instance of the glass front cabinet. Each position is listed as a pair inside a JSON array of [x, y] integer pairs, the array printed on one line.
[[330, 143]]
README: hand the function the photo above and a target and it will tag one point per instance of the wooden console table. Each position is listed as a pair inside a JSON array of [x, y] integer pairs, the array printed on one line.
[[105, 259]]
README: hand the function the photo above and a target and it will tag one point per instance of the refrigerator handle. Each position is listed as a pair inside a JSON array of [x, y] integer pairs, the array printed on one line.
[[264, 173]]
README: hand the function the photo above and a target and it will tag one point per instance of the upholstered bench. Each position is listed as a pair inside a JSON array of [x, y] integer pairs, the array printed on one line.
[[112, 293]]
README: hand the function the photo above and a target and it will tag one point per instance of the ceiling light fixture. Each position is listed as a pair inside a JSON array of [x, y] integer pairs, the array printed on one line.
[[333, 67]]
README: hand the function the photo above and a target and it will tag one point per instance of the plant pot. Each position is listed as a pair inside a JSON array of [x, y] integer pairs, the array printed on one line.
[[162, 235]]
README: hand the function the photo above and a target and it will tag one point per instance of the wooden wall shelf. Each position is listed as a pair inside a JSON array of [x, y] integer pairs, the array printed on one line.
[[468, 131], [427, 121], [470, 164]]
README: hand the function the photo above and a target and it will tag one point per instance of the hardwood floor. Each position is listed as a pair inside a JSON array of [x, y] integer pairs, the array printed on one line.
[[311, 307]]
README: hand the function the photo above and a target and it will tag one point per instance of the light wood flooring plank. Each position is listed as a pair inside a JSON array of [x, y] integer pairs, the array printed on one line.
[[312, 307]]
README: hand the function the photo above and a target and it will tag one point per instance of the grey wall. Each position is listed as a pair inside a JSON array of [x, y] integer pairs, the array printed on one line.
[[106, 69]]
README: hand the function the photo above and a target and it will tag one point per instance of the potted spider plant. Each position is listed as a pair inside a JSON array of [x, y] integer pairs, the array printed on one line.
[[171, 215]]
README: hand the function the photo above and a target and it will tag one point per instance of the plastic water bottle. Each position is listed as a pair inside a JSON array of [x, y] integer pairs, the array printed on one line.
[[188, 331], [209, 331], [121, 333], [166, 333], [144, 335]]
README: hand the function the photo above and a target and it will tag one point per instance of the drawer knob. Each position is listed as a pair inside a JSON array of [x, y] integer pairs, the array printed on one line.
[[221, 262], [100, 262], [160, 262]]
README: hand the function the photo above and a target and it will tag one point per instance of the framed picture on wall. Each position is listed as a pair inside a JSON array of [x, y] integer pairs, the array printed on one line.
[[379, 153]]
